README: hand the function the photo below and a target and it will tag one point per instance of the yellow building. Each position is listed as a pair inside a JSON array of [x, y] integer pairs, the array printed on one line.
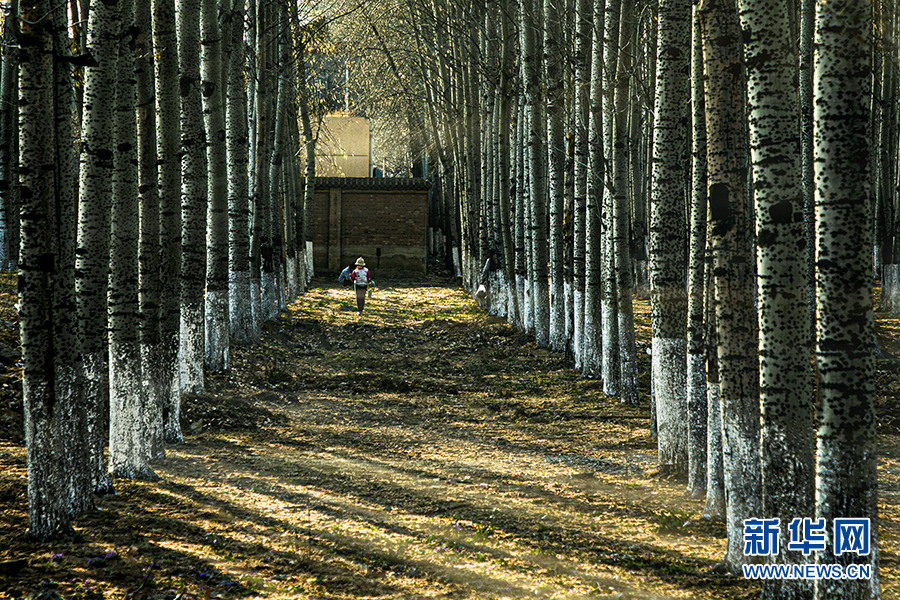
[[345, 147]]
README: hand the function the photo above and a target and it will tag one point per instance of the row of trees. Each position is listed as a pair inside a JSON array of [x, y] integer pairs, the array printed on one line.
[[583, 150], [161, 210], [560, 135]]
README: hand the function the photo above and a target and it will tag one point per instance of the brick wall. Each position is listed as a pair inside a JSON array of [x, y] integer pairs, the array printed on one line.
[[387, 226]]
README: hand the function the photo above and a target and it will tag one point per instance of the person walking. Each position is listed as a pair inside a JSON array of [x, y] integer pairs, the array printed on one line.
[[361, 279]]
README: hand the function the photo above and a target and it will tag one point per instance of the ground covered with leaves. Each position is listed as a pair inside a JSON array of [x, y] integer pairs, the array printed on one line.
[[423, 450]]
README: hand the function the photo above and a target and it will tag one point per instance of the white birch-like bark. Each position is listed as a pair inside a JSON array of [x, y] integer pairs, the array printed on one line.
[[846, 479], [621, 215], [84, 462], [520, 233], [237, 150], [215, 30], [785, 385], [539, 274], [194, 181], [261, 261], [696, 392], [804, 76], [9, 107], [51, 369], [714, 509], [611, 361], [505, 167], [556, 157], [95, 191], [149, 283], [733, 270], [168, 139], [273, 288], [309, 147], [668, 293], [129, 448], [584, 36], [592, 345]]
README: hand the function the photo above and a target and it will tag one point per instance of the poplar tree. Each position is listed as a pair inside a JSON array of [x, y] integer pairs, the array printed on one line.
[[261, 259], [733, 272], [504, 166], [593, 261], [846, 479], [168, 139], [51, 369], [216, 25], [98, 149], [150, 284], [193, 199], [237, 149], [785, 384], [129, 449], [582, 68], [702, 422], [532, 43], [9, 202], [556, 156], [668, 293], [619, 218], [81, 471], [611, 358]]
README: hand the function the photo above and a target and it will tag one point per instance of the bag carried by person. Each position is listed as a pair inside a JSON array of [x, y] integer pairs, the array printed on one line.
[[344, 277]]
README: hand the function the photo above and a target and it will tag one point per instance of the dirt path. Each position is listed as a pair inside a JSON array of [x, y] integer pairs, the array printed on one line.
[[423, 450]]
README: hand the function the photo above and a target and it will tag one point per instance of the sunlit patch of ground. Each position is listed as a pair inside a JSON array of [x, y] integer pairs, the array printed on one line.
[[423, 450]]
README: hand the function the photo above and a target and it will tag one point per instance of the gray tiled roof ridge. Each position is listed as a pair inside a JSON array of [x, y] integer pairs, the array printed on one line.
[[373, 183]]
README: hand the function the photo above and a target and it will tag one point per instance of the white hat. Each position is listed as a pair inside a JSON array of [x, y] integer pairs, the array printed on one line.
[[360, 262]]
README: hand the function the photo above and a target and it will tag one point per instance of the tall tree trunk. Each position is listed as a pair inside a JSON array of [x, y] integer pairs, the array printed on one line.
[[785, 386], [149, 247], [310, 138], [129, 449], [621, 217], [593, 261], [50, 356], [610, 369], [84, 464], [168, 140], [9, 106], [278, 193], [583, 39], [520, 226], [255, 223], [261, 265], [536, 141], [697, 391], [622, 214], [471, 140], [556, 149], [506, 98], [291, 195], [733, 266], [807, 27], [715, 459], [237, 146], [194, 182], [98, 147], [297, 249], [667, 235], [846, 480], [215, 30]]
